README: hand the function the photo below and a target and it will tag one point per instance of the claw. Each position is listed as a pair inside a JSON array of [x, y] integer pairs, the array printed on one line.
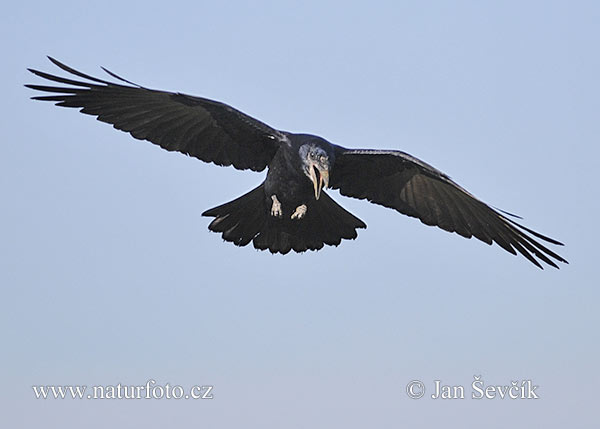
[[276, 207], [299, 212]]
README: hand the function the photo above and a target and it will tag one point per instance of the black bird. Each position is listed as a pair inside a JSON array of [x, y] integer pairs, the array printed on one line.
[[290, 210]]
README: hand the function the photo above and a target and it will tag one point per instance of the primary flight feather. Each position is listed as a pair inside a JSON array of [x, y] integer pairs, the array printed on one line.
[[290, 210]]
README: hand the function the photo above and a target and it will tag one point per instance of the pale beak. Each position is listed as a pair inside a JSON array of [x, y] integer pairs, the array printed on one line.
[[320, 179]]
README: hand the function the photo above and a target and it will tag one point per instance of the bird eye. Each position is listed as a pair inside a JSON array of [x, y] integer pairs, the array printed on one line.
[[322, 158]]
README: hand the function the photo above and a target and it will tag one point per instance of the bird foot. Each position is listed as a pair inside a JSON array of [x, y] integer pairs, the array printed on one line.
[[276, 207], [299, 212]]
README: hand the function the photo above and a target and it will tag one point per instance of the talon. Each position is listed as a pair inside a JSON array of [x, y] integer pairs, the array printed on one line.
[[299, 212], [276, 207]]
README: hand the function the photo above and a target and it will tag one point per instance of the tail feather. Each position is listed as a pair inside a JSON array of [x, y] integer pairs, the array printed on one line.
[[241, 219], [248, 218]]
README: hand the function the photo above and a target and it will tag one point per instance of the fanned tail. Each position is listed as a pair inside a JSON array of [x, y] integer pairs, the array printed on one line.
[[248, 218]]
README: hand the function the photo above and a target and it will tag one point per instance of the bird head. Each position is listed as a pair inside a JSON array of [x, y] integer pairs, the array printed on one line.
[[315, 165]]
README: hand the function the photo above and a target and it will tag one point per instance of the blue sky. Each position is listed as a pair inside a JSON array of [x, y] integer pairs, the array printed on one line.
[[109, 274]]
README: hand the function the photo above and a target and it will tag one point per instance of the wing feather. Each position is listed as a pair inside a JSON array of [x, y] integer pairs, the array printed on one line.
[[402, 182], [202, 128]]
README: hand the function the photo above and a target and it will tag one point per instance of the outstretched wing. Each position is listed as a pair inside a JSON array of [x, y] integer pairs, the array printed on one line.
[[202, 128], [399, 181]]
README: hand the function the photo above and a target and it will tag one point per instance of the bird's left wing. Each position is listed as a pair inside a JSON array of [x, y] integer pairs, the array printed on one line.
[[400, 181], [202, 128]]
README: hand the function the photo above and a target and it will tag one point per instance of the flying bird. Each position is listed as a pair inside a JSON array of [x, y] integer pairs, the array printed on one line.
[[290, 210]]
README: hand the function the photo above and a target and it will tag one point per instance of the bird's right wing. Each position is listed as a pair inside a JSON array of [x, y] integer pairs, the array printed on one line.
[[202, 128], [400, 181]]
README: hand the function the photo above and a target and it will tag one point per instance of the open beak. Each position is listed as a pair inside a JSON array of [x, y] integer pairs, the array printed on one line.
[[320, 179]]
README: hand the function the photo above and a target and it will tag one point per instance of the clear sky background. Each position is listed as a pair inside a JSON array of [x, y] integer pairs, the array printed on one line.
[[109, 274]]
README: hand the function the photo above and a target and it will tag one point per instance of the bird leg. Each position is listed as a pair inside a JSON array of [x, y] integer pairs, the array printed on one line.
[[299, 212], [276, 207]]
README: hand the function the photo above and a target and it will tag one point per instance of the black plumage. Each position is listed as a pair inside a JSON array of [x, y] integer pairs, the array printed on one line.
[[290, 210]]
